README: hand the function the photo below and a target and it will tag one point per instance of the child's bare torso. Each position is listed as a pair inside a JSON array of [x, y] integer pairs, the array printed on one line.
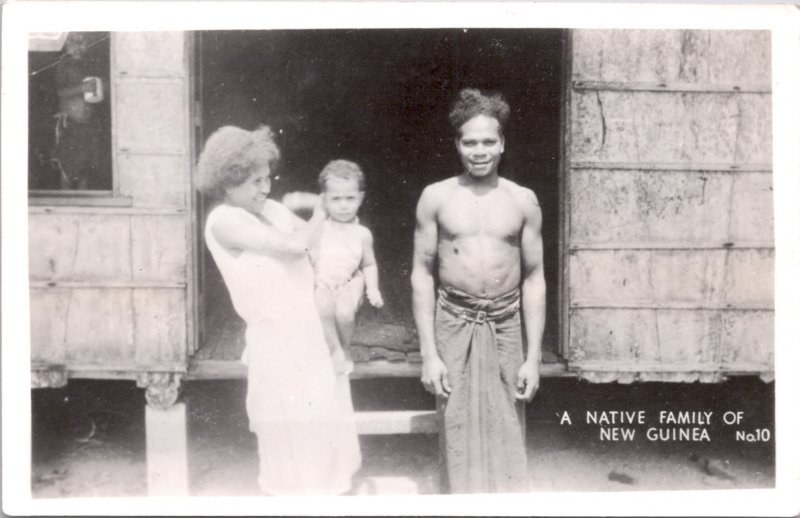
[[338, 254]]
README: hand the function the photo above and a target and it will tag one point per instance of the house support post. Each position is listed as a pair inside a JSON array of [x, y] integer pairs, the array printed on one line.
[[165, 429]]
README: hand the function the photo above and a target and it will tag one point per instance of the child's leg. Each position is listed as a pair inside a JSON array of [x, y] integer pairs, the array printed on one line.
[[326, 308], [347, 302]]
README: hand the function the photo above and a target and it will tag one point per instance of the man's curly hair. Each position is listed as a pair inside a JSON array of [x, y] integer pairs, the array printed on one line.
[[342, 169], [472, 102], [231, 155]]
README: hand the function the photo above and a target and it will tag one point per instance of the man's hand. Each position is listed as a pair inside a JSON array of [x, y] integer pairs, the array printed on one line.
[[375, 298], [527, 381], [434, 377]]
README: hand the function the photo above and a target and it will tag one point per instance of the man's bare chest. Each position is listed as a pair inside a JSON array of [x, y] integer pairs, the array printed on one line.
[[494, 214]]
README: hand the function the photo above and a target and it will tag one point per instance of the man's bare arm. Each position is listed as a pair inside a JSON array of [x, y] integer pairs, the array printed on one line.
[[533, 293], [434, 373]]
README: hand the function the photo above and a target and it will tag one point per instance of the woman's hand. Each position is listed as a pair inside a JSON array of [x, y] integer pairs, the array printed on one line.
[[320, 209], [300, 201]]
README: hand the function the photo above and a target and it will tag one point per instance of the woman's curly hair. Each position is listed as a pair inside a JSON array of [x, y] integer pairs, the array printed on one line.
[[231, 155], [342, 169], [472, 102]]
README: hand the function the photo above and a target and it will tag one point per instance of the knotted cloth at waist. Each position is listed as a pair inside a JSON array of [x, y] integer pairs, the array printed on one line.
[[476, 309]]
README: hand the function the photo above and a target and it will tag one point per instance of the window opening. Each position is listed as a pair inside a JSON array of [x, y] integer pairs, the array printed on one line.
[[69, 116]]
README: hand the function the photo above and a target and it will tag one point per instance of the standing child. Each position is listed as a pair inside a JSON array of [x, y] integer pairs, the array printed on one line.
[[298, 408], [343, 259]]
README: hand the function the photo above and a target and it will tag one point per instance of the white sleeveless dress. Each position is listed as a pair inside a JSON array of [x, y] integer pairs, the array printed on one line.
[[299, 409]]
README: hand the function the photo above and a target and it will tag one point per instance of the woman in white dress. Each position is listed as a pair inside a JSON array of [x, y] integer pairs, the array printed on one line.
[[298, 408]]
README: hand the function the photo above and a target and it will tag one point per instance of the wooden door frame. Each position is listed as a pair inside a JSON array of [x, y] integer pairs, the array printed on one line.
[[564, 197], [194, 201], [197, 201]]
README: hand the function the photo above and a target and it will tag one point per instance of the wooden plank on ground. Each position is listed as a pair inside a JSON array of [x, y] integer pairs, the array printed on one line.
[[386, 485], [396, 422]]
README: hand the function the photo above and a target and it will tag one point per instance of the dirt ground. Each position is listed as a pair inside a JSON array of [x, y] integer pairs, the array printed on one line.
[[88, 439]]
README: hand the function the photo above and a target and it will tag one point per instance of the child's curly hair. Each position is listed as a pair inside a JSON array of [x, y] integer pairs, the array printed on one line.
[[342, 169], [231, 155], [472, 102]]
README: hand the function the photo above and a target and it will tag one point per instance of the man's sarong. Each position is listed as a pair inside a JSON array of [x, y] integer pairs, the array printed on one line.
[[483, 427]]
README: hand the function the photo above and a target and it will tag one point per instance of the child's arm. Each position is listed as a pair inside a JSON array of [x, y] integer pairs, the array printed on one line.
[[243, 232], [370, 269]]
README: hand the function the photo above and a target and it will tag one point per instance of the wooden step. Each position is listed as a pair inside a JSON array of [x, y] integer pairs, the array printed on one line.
[[234, 369], [388, 422], [385, 485]]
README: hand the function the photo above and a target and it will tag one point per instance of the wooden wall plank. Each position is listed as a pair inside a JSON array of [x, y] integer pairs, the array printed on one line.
[[151, 54], [754, 129], [667, 206], [704, 278], [671, 337], [682, 337], [693, 128], [160, 323], [753, 334], [99, 326], [712, 56], [752, 212], [159, 248], [90, 247], [153, 180], [151, 116], [609, 206], [52, 241], [740, 56], [626, 55], [609, 335], [750, 278], [48, 313]]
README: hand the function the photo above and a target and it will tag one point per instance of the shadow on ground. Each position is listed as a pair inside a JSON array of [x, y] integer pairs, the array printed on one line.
[[88, 438]]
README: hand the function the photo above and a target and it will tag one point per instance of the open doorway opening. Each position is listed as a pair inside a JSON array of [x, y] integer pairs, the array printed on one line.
[[381, 98]]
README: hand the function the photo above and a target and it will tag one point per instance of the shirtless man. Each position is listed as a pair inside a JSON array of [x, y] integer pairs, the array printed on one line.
[[484, 234]]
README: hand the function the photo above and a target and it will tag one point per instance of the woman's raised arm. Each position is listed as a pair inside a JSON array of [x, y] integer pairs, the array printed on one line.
[[242, 231]]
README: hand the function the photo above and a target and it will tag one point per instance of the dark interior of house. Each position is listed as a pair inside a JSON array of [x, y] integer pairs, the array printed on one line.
[[381, 98]]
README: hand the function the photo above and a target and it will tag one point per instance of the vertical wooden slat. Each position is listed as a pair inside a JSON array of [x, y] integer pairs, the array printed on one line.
[[99, 326], [563, 193], [159, 248], [160, 323], [49, 310]]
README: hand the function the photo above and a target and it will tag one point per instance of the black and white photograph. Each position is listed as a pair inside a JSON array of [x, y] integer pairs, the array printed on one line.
[[427, 258]]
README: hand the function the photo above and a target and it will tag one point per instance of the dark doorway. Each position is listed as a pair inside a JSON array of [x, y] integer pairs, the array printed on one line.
[[381, 98]]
